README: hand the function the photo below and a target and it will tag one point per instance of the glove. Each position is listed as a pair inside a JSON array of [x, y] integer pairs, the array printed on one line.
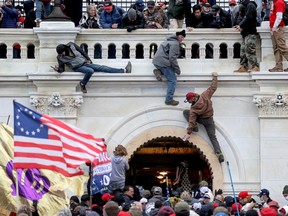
[[129, 28]]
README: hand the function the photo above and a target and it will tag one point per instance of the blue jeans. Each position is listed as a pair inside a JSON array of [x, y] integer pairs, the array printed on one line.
[[171, 81], [39, 6], [89, 69]]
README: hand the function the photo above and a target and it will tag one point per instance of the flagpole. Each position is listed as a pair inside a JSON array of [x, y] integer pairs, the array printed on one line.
[[91, 181], [17, 184], [8, 119], [232, 186]]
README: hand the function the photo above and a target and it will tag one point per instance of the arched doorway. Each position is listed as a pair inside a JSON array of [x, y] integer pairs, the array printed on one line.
[[164, 154]]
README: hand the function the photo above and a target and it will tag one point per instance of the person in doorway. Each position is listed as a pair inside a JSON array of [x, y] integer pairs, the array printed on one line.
[[182, 177], [119, 167], [73, 56], [201, 111], [278, 35], [165, 61]]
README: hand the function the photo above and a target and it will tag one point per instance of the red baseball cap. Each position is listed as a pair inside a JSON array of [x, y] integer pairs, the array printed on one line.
[[189, 96], [244, 194], [106, 197]]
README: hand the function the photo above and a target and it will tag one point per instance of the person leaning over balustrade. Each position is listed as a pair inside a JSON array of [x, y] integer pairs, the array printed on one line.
[[111, 16], [133, 20], [198, 19], [92, 19], [221, 18], [155, 19], [8, 14], [73, 56]]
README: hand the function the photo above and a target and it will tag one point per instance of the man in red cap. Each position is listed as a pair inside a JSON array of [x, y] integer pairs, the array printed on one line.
[[201, 111]]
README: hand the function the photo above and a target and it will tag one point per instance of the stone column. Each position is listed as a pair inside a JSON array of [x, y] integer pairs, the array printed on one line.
[[273, 147]]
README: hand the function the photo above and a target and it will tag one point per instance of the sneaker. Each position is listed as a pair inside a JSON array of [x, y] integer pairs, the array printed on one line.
[[242, 69], [128, 67], [220, 157], [83, 87], [158, 75], [275, 69], [172, 102], [37, 21], [254, 69]]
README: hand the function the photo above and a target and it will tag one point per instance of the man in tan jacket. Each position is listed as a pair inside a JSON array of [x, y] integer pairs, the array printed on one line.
[[201, 111]]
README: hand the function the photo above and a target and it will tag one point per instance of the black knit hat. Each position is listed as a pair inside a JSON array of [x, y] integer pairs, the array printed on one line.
[[60, 48], [183, 33]]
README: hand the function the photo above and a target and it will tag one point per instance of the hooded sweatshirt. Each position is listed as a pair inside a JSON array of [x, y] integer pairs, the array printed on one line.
[[167, 54], [119, 166]]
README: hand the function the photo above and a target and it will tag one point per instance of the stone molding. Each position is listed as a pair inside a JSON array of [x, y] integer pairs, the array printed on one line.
[[272, 106], [56, 104]]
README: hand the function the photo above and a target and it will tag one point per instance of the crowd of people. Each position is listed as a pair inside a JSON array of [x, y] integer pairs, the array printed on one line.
[[136, 201], [150, 14]]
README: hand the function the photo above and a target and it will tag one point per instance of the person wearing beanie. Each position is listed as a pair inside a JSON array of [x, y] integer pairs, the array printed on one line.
[[285, 192], [165, 61], [201, 111], [166, 211], [133, 20], [182, 209], [74, 57]]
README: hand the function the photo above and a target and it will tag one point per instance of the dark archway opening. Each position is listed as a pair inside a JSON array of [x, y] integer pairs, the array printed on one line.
[[165, 154]]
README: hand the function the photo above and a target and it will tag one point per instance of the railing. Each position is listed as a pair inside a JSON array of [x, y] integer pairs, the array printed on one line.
[[205, 49]]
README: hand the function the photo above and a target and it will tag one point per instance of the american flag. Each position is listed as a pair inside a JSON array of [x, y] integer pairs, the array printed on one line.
[[43, 142]]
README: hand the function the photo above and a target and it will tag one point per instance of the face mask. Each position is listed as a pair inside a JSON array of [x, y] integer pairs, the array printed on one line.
[[286, 198]]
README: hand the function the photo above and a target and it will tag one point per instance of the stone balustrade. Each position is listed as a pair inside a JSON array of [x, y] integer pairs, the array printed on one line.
[[114, 47]]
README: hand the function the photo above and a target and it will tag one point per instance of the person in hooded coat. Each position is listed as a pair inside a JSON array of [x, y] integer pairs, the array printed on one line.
[[119, 167]]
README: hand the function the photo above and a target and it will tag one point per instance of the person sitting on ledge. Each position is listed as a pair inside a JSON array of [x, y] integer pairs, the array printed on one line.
[[73, 56]]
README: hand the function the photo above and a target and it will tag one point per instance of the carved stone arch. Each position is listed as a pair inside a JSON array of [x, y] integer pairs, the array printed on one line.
[[202, 146]]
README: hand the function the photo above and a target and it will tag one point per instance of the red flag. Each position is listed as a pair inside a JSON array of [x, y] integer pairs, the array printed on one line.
[[43, 142]]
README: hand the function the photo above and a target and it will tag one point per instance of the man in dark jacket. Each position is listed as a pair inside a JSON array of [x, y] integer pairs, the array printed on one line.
[[73, 56], [248, 30], [201, 111], [198, 19], [9, 15], [222, 19], [111, 16], [133, 20], [165, 60]]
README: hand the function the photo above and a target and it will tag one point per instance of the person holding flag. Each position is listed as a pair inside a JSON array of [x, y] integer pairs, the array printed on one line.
[[119, 167]]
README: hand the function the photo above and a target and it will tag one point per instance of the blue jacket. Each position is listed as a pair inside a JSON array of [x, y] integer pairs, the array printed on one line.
[[107, 19], [10, 17]]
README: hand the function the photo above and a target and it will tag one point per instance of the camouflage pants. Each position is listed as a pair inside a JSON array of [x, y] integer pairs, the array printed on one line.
[[248, 51]]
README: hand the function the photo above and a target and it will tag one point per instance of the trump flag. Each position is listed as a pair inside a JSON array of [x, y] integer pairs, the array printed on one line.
[[49, 188], [43, 142]]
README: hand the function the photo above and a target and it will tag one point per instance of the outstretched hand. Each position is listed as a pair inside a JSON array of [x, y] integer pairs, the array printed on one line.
[[55, 68], [214, 74]]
